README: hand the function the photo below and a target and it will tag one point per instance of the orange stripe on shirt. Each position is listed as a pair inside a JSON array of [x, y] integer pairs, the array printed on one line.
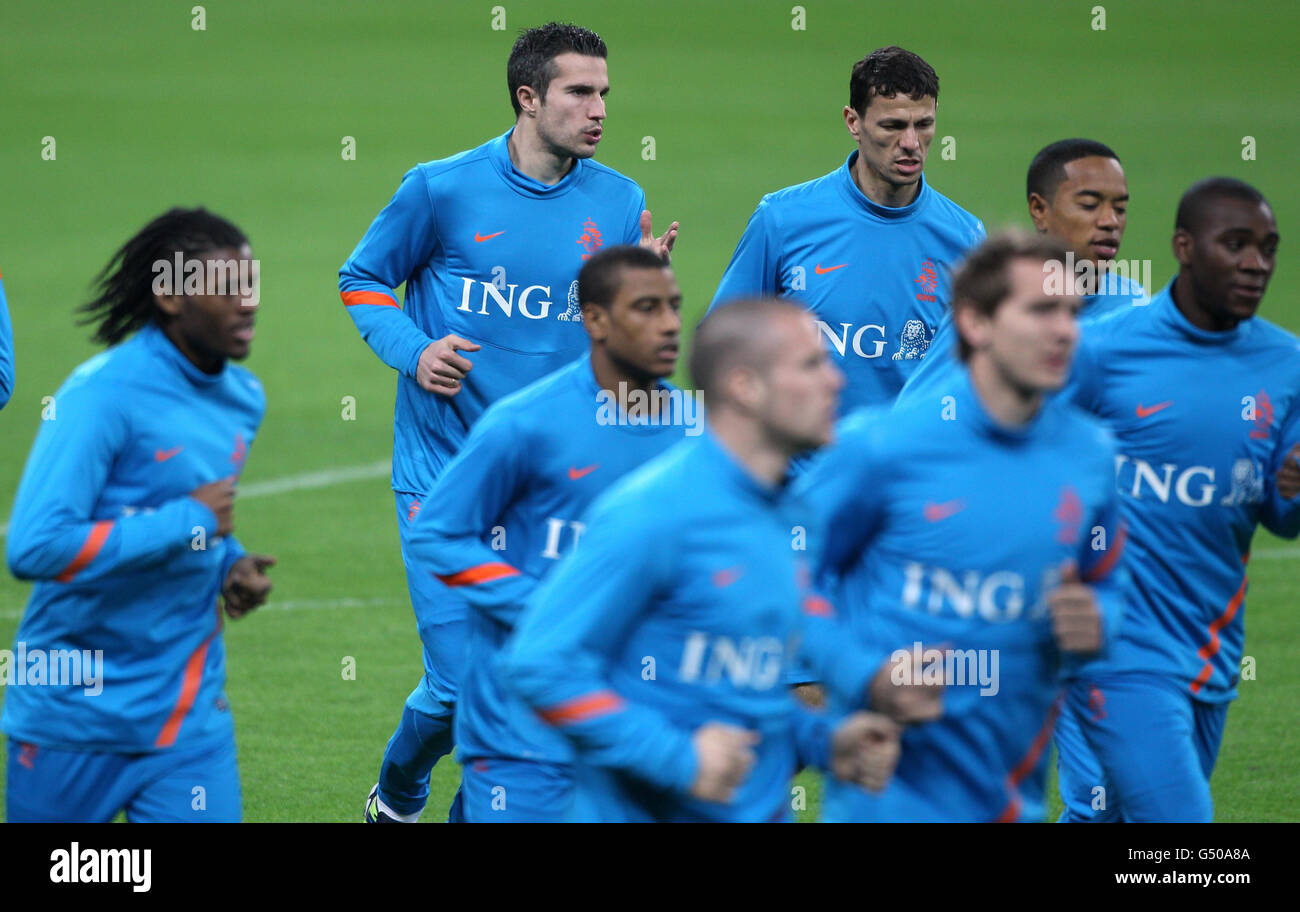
[[89, 549], [1011, 813], [483, 573], [1102, 568], [190, 682], [378, 298], [580, 709], [1211, 648]]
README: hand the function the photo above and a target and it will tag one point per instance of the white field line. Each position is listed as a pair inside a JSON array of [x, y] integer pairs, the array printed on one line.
[[323, 478]]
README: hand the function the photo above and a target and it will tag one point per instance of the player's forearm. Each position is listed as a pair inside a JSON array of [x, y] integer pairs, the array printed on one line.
[[388, 331], [813, 734], [488, 584], [65, 549]]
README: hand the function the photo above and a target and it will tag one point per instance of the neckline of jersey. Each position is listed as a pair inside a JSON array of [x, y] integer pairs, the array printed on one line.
[[986, 424], [1174, 318], [158, 343], [586, 376], [849, 188], [499, 155]]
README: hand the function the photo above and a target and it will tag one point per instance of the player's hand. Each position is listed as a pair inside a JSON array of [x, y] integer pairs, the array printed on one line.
[[1288, 477], [662, 245], [906, 703], [247, 585], [219, 497], [724, 755], [1076, 619], [811, 695], [441, 370], [865, 749]]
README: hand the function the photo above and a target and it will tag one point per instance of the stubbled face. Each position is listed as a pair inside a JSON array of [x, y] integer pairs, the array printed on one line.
[[1031, 336], [1231, 258], [570, 118], [210, 328], [641, 328], [799, 389], [893, 137], [1089, 210]]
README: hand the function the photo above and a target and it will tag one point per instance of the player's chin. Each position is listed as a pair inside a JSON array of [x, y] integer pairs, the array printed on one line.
[[239, 349]]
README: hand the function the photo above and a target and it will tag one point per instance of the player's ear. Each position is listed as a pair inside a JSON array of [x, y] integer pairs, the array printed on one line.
[[1038, 211], [1182, 246], [851, 120], [596, 319], [528, 100], [171, 305], [971, 326]]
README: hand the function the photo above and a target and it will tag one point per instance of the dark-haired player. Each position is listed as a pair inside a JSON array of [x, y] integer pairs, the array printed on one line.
[[124, 518], [1204, 398], [489, 243], [511, 504], [983, 536], [868, 247], [1077, 195]]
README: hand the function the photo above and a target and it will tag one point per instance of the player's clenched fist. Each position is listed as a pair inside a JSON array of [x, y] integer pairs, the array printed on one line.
[[247, 585], [219, 497], [441, 370], [724, 755], [1288, 477], [864, 750], [902, 694], [1076, 620]]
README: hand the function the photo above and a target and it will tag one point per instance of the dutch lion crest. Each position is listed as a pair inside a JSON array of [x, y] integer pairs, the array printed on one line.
[[913, 342], [574, 311]]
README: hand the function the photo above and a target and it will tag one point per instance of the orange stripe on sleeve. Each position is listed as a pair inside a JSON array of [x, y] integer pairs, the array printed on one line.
[[483, 573], [353, 298], [89, 549], [580, 709], [1102, 568], [1211, 648], [1011, 813], [189, 688]]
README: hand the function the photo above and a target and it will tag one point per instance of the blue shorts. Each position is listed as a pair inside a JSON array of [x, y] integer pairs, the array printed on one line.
[[1137, 747], [440, 613], [177, 785], [497, 790]]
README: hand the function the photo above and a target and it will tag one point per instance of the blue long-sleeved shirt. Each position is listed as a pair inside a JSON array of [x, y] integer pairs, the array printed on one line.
[[875, 277], [491, 255], [1204, 421], [684, 605], [949, 530], [6, 351], [942, 365], [504, 512], [125, 560]]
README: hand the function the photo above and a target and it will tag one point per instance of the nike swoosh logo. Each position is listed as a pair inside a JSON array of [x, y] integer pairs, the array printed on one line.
[[486, 237], [576, 473], [164, 455], [822, 270], [724, 578], [1146, 412], [935, 512]]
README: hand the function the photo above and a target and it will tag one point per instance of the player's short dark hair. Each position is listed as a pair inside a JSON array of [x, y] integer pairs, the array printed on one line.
[[735, 335], [124, 295], [1047, 170], [602, 276], [532, 59], [1200, 197], [887, 71], [983, 280]]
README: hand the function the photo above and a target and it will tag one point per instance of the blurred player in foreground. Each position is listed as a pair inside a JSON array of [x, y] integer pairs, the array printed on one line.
[[509, 507], [659, 649], [114, 697], [868, 247], [1078, 195], [1204, 398], [489, 243], [983, 534]]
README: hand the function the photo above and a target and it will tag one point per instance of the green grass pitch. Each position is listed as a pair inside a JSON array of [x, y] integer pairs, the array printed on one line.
[[249, 116]]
